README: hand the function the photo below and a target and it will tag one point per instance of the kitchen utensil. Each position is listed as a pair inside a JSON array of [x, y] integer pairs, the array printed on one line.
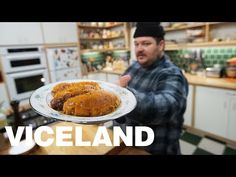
[[213, 72]]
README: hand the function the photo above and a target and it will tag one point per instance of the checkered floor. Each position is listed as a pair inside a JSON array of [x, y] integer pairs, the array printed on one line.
[[195, 145]]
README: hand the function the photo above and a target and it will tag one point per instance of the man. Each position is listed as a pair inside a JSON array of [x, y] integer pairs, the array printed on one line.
[[160, 89]]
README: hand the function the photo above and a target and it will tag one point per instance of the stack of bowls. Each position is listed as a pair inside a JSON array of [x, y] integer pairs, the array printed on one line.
[[94, 58], [121, 54]]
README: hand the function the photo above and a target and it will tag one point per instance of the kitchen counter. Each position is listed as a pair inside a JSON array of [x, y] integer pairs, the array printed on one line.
[[224, 83], [89, 132]]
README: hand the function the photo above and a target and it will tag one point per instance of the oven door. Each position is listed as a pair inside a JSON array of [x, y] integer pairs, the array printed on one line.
[[21, 85], [23, 62]]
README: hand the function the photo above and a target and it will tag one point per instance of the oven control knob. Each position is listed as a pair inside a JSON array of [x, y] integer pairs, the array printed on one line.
[[23, 116]]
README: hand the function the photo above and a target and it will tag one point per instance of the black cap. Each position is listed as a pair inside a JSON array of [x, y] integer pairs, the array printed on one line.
[[153, 29]]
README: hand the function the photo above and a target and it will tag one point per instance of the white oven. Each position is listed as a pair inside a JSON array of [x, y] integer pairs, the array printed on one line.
[[16, 59], [22, 84], [24, 70]]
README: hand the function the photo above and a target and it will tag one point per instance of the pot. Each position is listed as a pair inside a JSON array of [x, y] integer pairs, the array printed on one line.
[[213, 72], [232, 62], [231, 71]]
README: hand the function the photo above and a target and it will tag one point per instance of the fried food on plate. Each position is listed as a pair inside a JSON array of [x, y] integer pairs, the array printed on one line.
[[83, 99], [96, 103], [63, 91]]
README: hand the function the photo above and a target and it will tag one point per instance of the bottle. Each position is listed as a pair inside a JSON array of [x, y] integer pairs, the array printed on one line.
[[3, 120], [17, 117]]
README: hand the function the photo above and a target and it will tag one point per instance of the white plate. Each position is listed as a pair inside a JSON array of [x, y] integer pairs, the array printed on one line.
[[40, 102], [22, 148]]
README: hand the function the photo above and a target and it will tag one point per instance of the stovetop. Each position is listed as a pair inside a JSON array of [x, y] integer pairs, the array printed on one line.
[[30, 118]]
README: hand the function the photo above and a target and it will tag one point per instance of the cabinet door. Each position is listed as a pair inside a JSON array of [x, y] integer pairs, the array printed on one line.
[[112, 78], [97, 76], [188, 112], [20, 33], [60, 32], [231, 134], [212, 107]]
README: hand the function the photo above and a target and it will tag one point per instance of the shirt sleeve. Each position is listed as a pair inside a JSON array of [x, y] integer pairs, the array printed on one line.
[[166, 102]]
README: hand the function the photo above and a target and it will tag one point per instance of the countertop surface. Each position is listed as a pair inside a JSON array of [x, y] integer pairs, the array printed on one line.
[[224, 83], [88, 134]]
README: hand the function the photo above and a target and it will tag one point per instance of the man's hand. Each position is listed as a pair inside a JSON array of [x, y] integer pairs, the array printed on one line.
[[124, 80]]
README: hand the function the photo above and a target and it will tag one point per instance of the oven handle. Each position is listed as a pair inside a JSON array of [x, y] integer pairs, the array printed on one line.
[[27, 73], [24, 56]]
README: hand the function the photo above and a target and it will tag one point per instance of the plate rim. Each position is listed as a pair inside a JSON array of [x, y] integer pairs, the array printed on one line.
[[26, 148], [80, 119]]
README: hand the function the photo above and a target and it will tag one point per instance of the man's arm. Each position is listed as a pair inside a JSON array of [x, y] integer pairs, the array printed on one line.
[[160, 106]]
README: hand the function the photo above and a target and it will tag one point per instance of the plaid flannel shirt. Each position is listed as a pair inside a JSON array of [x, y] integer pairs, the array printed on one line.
[[161, 91]]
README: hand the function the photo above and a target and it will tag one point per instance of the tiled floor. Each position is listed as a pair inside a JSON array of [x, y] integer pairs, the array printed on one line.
[[195, 145]]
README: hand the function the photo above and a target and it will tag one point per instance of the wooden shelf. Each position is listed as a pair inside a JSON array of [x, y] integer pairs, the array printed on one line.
[[101, 50], [61, 45], [101, 27], [108, 38], [216, 23], [106, 44], [203, 44], [208, 26], [194, 26], [185, 27]]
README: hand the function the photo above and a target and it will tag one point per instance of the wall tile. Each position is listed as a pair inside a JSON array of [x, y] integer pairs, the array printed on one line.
[[211, 55]]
